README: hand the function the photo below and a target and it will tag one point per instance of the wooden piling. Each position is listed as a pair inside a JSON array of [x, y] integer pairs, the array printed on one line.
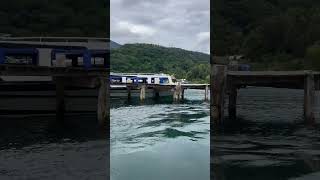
[[129, 92], [156, 93], [143, 92], [177, 92], [309, 95], [103, 109], [218, 86], [206, 93], [60, 99], [182, 93], [232, 106]]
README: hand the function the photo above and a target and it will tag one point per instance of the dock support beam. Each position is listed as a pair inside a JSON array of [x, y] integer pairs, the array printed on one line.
[[143, 92], [129, 92], [182, 93], [309, 95], [60, 99], [206, 93], [218, 86], [232, 108], [177, 92], [156, 93], [103, 109]]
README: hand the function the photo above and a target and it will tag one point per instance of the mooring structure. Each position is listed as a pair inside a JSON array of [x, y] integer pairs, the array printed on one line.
[[57, 66], [177, 90], [226, 83]]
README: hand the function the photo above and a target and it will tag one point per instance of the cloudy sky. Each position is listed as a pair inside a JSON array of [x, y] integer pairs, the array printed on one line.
[[172, 23]]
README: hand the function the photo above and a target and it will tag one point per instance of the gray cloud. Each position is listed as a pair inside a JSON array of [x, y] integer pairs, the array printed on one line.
[[175, 23]]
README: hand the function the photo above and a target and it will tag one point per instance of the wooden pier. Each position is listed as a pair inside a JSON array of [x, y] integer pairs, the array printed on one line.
[[48, 57], [226, 82], [177, 90], [64, 78]]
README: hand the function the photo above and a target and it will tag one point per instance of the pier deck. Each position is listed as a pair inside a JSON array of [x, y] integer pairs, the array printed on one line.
[[63, 78], [177, 90], [226, 82]]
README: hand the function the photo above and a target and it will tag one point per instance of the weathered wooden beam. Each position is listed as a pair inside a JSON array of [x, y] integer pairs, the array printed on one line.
[[103, 108], [177, 92], [232, 106], [206, 93], [156, 93], [143, 92], [60, 98], [309, 95], [129, 92], [218, 88], [31, 70], [182, 93]]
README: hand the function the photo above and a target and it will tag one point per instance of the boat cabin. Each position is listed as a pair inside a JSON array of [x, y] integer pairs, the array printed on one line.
[[131, 78], [24, 56]]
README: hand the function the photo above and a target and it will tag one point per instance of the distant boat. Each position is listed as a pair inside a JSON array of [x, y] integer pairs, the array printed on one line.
[[146, 78], [119, 81]]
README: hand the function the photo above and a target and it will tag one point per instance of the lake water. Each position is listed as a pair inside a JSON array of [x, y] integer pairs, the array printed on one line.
[[161, 140], [268, 140], [36, 147], [165, 140]]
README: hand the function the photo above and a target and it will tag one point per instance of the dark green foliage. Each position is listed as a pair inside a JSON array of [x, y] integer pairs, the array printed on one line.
[[148, 58], [271, 33], [54, 18]]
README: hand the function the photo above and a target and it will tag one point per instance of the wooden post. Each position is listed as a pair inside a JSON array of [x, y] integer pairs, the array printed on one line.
[[218, 86], [233, 102], [309, 95], [177, 92], [182, 93], [206, 93], [156, 94], [129, 92], [60, 101], [143, 92], [103, 109]]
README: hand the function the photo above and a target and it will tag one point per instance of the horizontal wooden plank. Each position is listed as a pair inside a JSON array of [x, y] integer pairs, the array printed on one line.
[[271, 73], [29, 70]]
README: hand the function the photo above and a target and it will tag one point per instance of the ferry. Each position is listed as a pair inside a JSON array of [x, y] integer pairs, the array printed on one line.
[[119, 81], [147, 78]]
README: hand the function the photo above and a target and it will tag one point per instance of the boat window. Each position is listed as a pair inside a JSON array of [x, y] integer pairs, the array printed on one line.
[[164, 80]]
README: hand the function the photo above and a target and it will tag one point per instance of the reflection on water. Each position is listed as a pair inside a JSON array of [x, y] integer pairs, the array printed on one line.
[[158, 139], [268, 140], [37, 147]]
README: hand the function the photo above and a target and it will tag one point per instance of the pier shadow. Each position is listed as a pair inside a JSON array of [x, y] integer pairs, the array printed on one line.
[[25, 130], [246, 149]]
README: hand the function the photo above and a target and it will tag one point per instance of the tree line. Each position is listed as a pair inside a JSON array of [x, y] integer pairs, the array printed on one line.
[[150, 58], [54, 18], [272, 34]]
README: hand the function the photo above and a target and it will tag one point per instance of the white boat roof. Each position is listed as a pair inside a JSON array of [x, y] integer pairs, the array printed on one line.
[[138, 74]]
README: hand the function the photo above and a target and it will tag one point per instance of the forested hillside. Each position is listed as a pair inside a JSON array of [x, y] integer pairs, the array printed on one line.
[[48, 18], [273, 34], [149, 58]]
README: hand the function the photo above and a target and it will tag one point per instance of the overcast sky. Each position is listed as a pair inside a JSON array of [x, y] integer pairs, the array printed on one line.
[[174, 23]]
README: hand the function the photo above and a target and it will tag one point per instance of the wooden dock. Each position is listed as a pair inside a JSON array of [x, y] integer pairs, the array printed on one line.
[[177, 90], [226, 82], [68, 77]]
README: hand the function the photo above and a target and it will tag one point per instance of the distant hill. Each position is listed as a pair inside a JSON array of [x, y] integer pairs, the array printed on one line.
[[151, 58], [114, 45]]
